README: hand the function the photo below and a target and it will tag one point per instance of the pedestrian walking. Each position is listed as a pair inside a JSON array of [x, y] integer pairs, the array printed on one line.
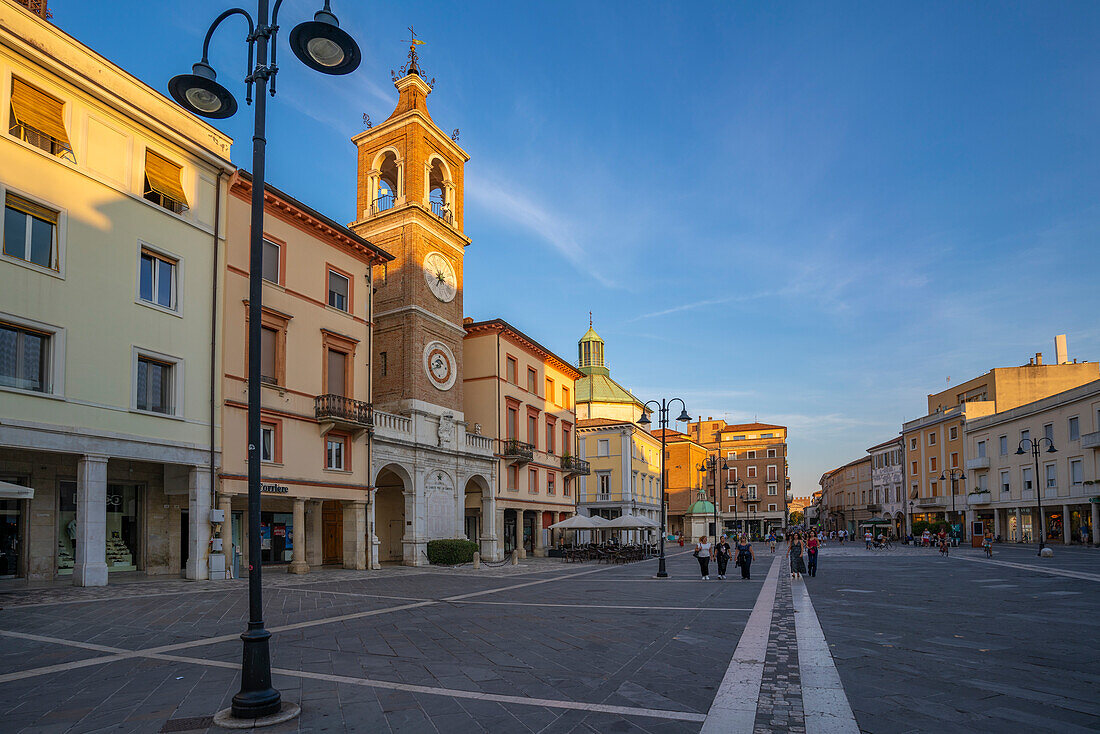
[[703, 551], [771, 542], [681, 539], [723, 553], [812, 547], [867, 538], [745, 557], [798, 566]]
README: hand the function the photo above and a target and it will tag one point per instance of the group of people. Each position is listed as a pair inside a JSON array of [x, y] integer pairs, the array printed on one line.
[[798, 543]]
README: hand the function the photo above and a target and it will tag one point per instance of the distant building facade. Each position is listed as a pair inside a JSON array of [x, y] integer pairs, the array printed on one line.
[[887, 499]]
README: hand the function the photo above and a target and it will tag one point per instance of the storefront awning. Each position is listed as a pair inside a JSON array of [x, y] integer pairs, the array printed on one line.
[[9, 491]]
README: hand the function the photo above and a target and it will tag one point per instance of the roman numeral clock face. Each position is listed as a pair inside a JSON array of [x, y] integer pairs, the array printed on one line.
[[440, 276]]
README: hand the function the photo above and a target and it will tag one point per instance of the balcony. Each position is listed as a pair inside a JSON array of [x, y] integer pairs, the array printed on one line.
[[381, 204], [930, 502], [874, 507], [573, 466], [517, 451], [978, 498], [443, 211], [1091, 440], [479, 444], [982, 462], [337, 411]]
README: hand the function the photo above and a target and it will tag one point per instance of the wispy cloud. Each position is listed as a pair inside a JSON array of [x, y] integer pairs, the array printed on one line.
[[506, 201]]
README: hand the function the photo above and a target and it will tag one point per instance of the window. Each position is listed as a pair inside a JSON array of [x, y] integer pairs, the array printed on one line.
[[549, 390], [914, 471], [38, 118], [767, 435], [1076, 472], [771, 508], [513, 478], [30, 232], [773, 472], [162, 183], [1074, 428], [634, 484], [935, 492], [771, 453], [1027, 478], [154, 385], [750, 455], [751, 490], [533, 481], [603, 447], [533, 429], [549, 437], [1025, 436], [532, 381], [512, 371], [1003, 441], [24, 358], [955, 459], [1052, 475], [566, 445], [269, 339], [983, 482], [733, 474], [272, 264], [953, 433], [513, 423], [931, 439], [732, 508], [565, 398], [335, 452], [566, 487], [1048, 431], [751, 472], [931, 463], [1006, 483], [338, 288], [157, 279], [337, 373], [383, 363], [550, 482], [981, 449], [270, 448], [913, 443], [604, 482], [731, 455], [773, 489]]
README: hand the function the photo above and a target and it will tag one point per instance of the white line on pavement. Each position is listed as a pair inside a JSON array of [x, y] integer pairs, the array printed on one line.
[[824, 703], [607, 606], [1037, 569], [733, 710]]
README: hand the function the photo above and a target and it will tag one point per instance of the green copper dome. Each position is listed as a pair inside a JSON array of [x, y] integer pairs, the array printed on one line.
[[701, 507], [596, 385]]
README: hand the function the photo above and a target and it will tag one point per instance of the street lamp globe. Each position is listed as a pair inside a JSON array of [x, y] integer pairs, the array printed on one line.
[[198, 92], [321, 45]]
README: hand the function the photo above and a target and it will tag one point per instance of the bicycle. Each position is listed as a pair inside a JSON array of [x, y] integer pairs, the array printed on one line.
[[944, 548]]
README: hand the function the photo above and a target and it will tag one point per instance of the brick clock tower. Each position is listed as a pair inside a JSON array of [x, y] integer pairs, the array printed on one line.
[[410, 204]]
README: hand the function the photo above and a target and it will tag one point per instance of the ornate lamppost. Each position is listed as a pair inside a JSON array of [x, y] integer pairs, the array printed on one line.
[[955, 475], [321, 45], [1036, 447], [662, 419]]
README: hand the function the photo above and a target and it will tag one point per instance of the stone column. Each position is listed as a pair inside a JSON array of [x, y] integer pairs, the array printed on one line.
[[225, 504], [537, 546], [314, 530], [489, 542], [413, 540], [520, 550], [90, 567], [373, 543], [1095, 524], [298, 562], [996, 521], [199, 501], [1066, 536], [355, 534], [1019, 525]]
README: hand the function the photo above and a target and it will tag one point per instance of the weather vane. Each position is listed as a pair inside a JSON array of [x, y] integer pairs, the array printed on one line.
[[411, 66]]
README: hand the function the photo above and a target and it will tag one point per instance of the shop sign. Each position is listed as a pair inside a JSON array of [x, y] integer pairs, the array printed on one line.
[[274, 489]]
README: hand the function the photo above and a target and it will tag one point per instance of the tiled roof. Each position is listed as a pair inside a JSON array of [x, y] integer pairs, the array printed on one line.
[[597, 422]]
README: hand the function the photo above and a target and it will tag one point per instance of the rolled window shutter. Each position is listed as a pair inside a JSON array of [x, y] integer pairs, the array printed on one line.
[[34, 108], [26, 206], [164, 177]]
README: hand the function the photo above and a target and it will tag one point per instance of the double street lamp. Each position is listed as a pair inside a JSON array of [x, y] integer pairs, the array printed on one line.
[[662, 420], [713, 464], [321, 45], [1036, 448], [955, 475]]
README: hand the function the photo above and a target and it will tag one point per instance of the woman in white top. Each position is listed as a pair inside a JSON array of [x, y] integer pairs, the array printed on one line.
[[703, 551]]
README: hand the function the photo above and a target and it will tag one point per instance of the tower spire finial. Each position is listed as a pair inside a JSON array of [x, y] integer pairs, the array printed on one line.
[[589, 319], [412, 67]]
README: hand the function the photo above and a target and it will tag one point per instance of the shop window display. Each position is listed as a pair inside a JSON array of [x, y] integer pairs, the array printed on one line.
[[11, 525], [277, 537], [121, 528]]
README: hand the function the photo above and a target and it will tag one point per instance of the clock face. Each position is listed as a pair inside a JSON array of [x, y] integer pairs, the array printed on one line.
[[440, 276], [439, 363]]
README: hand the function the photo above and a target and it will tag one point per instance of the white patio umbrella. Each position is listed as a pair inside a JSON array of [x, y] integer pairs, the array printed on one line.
[[576, 522], [626, 521]]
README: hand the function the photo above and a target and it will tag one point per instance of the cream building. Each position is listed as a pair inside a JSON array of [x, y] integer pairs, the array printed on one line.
[[316, 382], [1004, 491], [519, 394], [109, 431], [887, 500]]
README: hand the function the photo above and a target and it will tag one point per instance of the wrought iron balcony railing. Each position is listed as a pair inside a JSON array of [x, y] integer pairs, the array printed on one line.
[[443, 211], [342, 409], [381, 204], [575, 466], [517, 451]]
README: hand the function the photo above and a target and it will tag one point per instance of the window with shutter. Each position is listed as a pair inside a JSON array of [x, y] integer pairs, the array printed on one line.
[[163, 184], [38, 118]]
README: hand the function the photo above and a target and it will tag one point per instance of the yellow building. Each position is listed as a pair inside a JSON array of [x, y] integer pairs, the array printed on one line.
[[625, 458], [519, 394], [107, 300], [315, 367], [934, 444]]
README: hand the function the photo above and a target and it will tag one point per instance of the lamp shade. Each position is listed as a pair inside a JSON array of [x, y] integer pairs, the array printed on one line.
[[684, 417], [200, 93], [321, 45]]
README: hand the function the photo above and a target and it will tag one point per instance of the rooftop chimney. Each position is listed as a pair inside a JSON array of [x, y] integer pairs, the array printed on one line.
[[1060, 350], [1039, 358]]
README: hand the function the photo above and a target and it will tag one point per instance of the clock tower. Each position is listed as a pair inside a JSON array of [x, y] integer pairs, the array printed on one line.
[[410, 204]]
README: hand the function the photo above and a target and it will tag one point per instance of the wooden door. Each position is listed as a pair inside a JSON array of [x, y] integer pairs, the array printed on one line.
[[332, 533]]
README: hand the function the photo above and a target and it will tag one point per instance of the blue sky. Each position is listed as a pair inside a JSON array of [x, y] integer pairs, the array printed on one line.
[[812, 214]]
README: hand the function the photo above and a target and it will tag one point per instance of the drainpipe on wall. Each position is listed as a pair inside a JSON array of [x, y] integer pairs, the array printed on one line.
[[370, 402], [214, 344]]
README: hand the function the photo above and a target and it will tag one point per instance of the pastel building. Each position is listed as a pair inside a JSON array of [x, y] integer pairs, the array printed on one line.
[[109, 438], [316, 381], [886, 503], [519, 394]]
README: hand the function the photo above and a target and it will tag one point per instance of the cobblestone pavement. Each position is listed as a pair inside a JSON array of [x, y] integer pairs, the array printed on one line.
[[920, 643]]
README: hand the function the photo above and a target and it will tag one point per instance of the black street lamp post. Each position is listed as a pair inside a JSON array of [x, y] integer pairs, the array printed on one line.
[[910, 517], [321, 45], [955, 475], [736, 485], [1036, 447], [713, 464], [662, 420]]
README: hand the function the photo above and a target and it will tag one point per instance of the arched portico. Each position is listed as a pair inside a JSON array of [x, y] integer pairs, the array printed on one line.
[[389, 521], [479, 516]]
